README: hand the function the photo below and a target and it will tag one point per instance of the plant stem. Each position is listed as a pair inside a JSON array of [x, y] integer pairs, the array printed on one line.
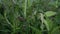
[[25, 8], [42, 20]]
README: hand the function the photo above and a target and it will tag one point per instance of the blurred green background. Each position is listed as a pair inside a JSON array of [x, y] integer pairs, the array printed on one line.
[[29, 16]]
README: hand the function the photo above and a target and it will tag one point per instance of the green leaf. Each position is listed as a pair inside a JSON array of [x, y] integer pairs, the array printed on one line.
[[37, 31], [48, 23], [56, 30], [50, 13]]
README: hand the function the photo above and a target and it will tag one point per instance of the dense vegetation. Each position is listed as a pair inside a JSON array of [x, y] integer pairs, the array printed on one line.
[[29, 16]]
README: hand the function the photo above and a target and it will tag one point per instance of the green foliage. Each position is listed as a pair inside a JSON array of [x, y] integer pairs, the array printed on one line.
[[50, 13], [29, 16]]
